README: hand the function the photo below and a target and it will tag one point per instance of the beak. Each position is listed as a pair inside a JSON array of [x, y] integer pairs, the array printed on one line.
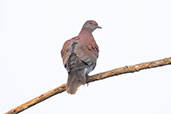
[[99, 27]]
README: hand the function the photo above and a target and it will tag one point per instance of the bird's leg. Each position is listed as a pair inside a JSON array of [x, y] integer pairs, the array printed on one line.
[[87, 79]]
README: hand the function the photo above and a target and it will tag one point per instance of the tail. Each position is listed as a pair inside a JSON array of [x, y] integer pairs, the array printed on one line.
[[74, 81]]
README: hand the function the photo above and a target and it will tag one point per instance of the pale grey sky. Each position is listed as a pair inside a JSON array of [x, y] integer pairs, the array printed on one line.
[[32, 33]]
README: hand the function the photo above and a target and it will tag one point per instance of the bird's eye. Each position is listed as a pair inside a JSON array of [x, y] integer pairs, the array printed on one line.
[[91, 23]]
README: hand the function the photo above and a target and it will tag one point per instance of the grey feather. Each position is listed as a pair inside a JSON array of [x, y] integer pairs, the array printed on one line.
[[76, 70]]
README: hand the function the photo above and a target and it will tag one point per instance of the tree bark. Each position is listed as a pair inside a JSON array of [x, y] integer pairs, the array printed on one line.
[[96, 77]]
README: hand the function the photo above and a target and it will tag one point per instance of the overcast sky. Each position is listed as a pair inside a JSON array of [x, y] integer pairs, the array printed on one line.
[[32, 33]]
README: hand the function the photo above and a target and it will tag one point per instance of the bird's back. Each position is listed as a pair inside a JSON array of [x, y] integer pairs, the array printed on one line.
[[79, 56]]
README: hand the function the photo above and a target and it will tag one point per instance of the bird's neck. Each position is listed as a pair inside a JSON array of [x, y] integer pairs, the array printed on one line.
[[85, 31]]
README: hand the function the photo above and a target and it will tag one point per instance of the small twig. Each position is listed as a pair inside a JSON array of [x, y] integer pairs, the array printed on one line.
[[100, 76]]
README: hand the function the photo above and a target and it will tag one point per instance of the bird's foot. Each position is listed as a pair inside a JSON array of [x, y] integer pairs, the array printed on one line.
[[87, 79]]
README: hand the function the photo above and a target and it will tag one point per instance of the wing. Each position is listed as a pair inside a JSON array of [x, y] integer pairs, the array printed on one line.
[[87, 51], [66, 51]]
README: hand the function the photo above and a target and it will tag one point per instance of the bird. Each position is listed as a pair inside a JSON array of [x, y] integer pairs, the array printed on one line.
[[79, 55]]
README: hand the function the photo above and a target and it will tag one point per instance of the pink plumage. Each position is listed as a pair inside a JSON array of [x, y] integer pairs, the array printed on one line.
[[79, 56]]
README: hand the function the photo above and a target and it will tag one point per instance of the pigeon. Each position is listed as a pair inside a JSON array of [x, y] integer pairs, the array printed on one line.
[[79, 55]]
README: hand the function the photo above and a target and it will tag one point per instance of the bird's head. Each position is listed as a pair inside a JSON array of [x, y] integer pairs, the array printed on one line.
[[91, 25]]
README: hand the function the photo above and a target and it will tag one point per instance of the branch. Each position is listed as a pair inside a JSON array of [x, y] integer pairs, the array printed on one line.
[[96, 77]]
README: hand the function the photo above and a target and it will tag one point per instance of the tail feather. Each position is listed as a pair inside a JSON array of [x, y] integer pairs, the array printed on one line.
[[74, 81]]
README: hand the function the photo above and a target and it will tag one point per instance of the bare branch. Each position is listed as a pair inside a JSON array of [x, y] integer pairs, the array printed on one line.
[[100, 76]]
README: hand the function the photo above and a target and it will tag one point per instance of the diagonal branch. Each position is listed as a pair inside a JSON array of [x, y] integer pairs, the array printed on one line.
[[96, 77]]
